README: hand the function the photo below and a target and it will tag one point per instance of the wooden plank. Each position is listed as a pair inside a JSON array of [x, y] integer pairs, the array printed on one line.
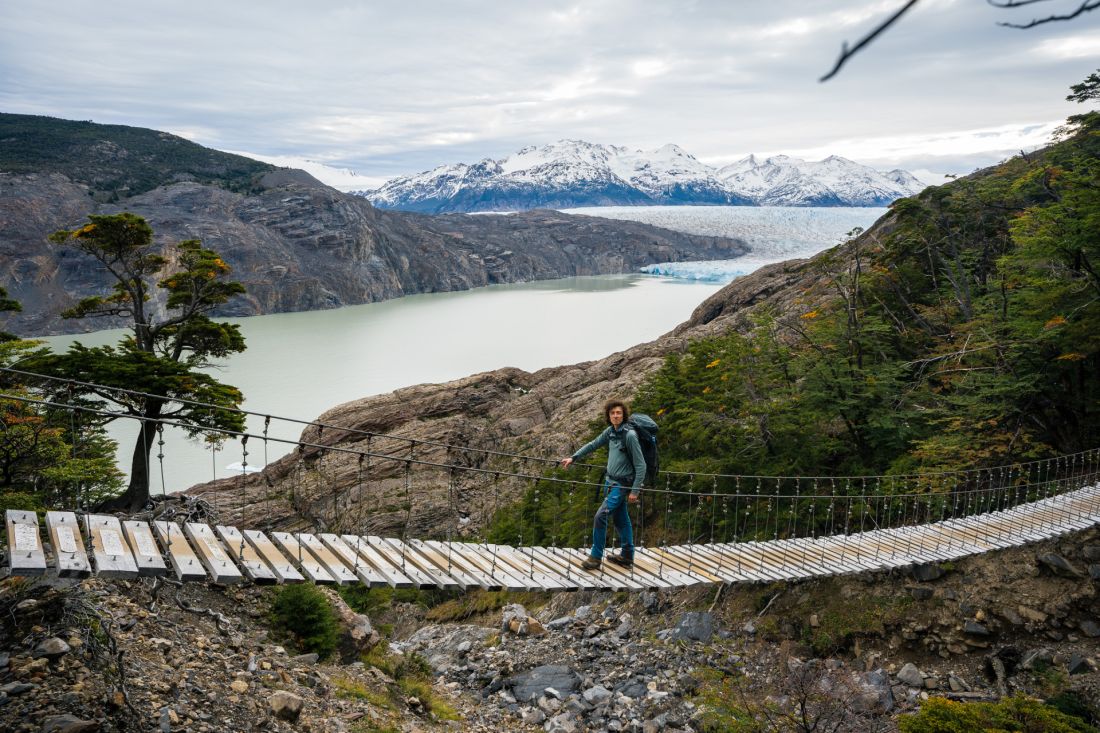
[[212, 554], [670, 557], [576, 576], [558, 563], [283, 569], [461, 554], [302, 558], [735, 562], [671, 577], [26, 555], [147, 555], [328, 558], [366, 573], [481, 557], [246, 556], [379, 562], [750, 559], [393, 557], [413, 559], [112, 555], [183, 559], [533, 568], [69, 554], [451, 564]]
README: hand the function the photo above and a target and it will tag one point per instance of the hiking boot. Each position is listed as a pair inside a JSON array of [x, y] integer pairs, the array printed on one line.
[[591, 563], [625, 562]]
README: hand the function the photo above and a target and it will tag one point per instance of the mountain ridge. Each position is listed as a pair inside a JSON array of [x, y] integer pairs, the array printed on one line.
[[576, 173]]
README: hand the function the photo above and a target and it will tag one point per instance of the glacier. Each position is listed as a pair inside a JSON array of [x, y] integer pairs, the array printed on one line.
[[773, 233]]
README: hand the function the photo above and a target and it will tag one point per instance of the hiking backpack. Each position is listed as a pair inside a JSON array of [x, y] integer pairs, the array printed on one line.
[[646, 430]]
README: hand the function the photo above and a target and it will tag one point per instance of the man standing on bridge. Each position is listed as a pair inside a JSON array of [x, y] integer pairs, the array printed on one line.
[[625, 467]]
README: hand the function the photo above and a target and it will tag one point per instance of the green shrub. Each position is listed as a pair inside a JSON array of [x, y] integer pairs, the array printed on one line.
[[1011, 715], [302, 612], [1072, 704]]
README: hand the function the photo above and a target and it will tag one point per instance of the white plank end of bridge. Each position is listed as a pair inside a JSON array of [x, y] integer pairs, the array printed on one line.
[[212, 554], [367, 573], [184, 561], [331, 562], [26, 555], [379, 562], [303, 559], [110, 552], [246, 556], [281, 567], [70, 556], [147, 555]]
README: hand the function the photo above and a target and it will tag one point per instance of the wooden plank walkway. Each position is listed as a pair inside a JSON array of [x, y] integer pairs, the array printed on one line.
[[198, 552]]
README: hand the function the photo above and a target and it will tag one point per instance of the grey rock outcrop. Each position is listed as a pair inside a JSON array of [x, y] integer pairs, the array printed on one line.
[[299, 245]]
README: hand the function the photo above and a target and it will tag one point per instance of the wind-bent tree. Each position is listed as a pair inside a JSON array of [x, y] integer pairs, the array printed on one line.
[[162, 358]]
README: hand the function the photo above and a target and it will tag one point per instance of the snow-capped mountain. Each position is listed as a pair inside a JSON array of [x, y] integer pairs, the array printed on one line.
[[574, 173]]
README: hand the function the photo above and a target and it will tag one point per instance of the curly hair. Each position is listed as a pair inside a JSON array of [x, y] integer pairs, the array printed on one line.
[[611, 405]]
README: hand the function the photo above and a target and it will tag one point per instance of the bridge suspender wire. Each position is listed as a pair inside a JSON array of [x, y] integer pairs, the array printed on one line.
[[69, 383]]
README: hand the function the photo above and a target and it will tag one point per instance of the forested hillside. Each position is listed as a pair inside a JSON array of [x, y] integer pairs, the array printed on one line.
[[117, 161], [964, 332]]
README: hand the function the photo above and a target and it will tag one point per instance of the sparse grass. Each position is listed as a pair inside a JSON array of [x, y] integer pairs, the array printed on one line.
[[474, 603], [412, 677], [716, 697], [840, 621], [351, 690], [422, 691]]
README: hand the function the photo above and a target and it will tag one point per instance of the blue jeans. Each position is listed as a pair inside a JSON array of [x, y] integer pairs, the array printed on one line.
[[614, 503]]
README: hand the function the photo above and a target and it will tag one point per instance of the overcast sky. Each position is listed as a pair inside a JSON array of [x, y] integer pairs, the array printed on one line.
[[389, 88]]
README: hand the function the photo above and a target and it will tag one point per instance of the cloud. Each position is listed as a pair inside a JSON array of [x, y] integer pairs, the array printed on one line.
[[387, 88]]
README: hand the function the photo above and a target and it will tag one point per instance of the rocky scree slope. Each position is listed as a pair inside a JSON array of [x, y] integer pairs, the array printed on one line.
[[298, 245], [102, 655]]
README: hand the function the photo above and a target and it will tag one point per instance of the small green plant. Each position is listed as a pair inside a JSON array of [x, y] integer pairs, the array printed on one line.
[[1010, 715], [352, 690], [422, 691], [302, 613], [717, 695], [1073, 704]]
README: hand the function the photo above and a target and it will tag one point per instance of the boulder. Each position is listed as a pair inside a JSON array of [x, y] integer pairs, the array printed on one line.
[[911, 676], [1059, 565], [286, 706], [357, 635], [694, 626], [872, 692], [52, 648], [68, 724], [973, 628], [532, 684], [927, 572]]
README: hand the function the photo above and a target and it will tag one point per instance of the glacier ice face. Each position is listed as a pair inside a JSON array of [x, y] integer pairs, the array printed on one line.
[[773, 233]]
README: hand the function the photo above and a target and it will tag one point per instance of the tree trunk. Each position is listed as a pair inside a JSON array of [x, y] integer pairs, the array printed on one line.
[[136, 495]]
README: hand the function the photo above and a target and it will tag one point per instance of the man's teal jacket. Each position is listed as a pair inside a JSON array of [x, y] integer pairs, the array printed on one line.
[[625, 463]]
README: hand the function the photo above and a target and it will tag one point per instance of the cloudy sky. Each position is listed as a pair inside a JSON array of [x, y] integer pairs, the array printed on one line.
[[389, 88]]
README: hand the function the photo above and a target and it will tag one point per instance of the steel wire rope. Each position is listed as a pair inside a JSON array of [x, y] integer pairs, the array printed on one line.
[[160, 459]]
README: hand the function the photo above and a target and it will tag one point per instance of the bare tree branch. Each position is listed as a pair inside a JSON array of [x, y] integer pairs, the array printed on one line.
[[846, 53], [1014, 3], [1084, 8]]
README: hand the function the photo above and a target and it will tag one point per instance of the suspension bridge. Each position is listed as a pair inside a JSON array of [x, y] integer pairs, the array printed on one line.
[[693, 528]]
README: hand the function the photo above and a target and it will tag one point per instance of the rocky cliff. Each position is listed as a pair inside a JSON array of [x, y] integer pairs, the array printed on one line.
[[299, 245]]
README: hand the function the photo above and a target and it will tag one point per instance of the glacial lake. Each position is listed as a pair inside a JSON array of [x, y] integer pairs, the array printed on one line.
[[299, 365]]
